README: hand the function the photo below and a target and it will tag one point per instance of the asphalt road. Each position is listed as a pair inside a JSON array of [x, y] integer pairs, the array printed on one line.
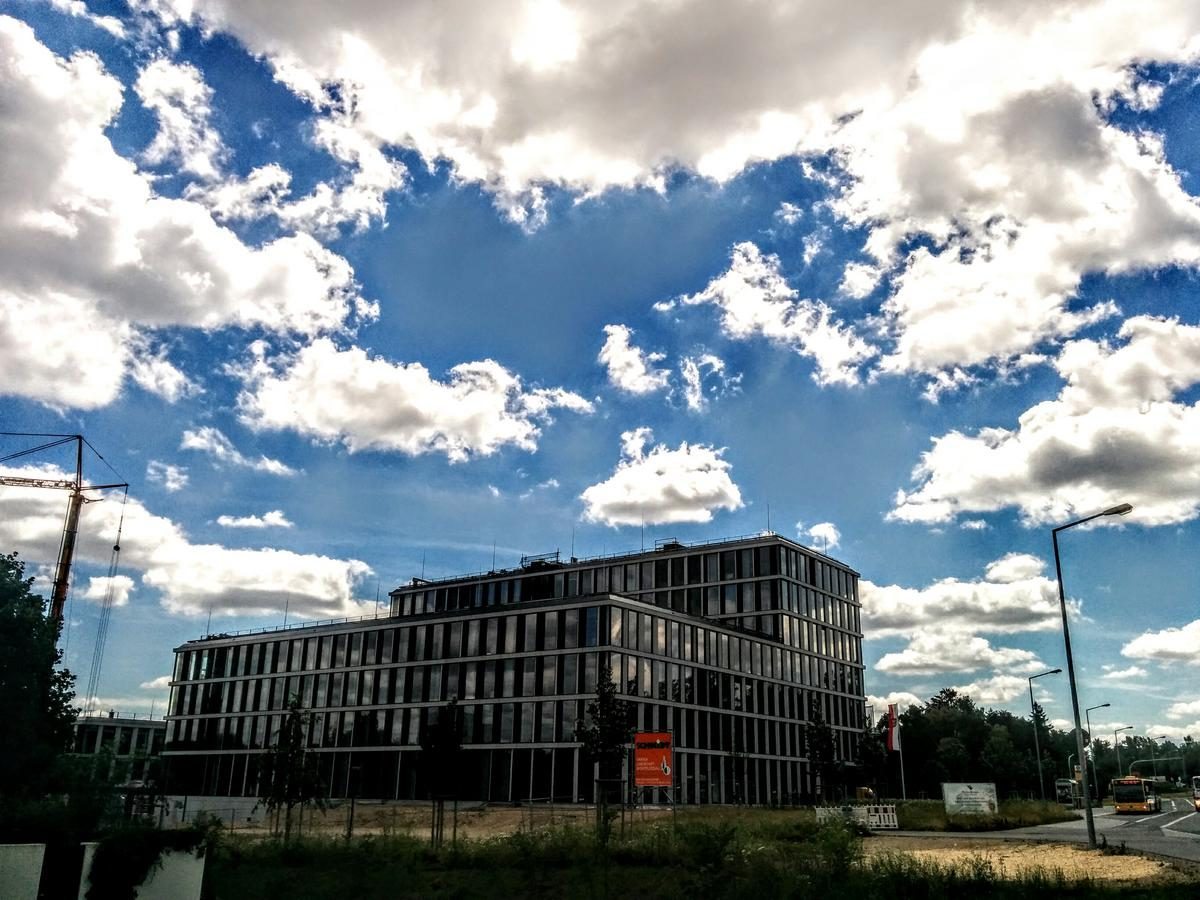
[[1174, 832]]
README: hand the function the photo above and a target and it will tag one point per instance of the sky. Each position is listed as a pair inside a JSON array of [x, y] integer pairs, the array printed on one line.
[[353, 292]]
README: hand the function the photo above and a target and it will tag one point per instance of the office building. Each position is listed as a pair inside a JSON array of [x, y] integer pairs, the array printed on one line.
[[737, 647]]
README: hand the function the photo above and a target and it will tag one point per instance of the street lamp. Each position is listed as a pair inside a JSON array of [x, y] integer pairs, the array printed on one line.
[[1117, 731], [1153, 752], [1033, 715], [1092, 745], [1121, 510]]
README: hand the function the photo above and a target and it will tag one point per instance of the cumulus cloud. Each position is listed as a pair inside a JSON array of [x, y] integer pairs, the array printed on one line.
[[630, 368], [182, 104], [1112, 673], [161, 683], [1168, 645], [213, 441], [367, 402], [172, 478], [88, 247], [937, 652], [1014, 596], [1117, 431], [902, 699], [824, 534], [995, 689], [755, 300], [115, 590], [154, 373], [663, 485], [1183, 708], [78, 9], [191, 578], [273, 519]]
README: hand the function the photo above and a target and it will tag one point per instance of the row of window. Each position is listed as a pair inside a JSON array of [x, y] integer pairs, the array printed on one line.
[[547, 675], [546, 631], [548, 721], [121, 740], [632, 578]]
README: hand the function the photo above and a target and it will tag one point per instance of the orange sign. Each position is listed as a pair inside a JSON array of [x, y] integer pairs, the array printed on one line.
[[652, 759]]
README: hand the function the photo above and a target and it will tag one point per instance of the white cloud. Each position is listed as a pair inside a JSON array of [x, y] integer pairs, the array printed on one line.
[[161, 683], [79, 10], [273, 519], [935, 652], [1168, 645], [1115, 433], [694, 371], [371, 403], [182, 104], [172, 478], [213, 441], [88, 247], [1176, 732], [663, 485], [1012, 597], [755, 300], [154, 373], [1112, 673], [973, 525], [191, 578], [115, 589], [824, 534], [903, 699], [1183, 708], [994, 690], [789, 213], [630, 368]]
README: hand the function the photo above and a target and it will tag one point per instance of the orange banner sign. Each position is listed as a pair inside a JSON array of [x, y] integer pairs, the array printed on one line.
[[652, 762]]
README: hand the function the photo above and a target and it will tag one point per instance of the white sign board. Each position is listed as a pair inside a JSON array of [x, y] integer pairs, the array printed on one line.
[[970, 799]]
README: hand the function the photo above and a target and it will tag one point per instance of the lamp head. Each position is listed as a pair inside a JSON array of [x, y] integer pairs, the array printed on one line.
[[1123, 509], [1054, 672]]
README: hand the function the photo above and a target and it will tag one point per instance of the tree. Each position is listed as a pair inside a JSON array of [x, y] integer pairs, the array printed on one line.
[[604, 734], [288, 776], [36, 697], [441, 759], [819, 739]]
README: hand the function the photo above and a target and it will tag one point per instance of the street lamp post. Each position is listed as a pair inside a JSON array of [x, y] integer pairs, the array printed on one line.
[[1062, 602], [1154, 752], [1092, 745], [1117, 731], [1033, 715]]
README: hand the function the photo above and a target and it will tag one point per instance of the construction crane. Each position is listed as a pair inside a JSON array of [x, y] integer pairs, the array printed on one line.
[[66, 552]]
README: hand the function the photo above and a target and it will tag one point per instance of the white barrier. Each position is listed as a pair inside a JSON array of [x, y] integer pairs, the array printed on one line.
[[875, 817], [180, 876], [20, 870]]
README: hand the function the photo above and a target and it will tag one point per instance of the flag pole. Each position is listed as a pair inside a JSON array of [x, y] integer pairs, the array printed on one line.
[[900, 747]]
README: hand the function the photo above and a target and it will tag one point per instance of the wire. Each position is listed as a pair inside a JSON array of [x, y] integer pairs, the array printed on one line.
[[40, 447], [105, 612], [101, 458]]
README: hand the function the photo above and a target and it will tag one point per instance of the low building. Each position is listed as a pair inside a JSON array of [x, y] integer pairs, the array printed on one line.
[[737, 647], [133, 743]]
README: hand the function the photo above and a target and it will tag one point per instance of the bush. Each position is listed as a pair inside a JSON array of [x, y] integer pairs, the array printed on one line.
[[930, 815]]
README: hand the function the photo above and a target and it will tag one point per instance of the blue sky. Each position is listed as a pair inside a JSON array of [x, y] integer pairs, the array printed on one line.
[[359, 291]]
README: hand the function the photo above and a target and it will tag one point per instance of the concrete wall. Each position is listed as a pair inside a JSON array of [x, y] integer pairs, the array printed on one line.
[[180, 877], [20, 870]]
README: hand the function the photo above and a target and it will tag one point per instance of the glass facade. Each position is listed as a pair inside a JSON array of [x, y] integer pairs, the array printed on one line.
[[733, 647]]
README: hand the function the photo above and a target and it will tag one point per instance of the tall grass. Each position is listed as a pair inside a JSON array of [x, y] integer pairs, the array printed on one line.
[[733, 857]]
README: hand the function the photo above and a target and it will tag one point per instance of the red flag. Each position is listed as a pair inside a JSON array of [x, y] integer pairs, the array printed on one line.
[[893, 728]]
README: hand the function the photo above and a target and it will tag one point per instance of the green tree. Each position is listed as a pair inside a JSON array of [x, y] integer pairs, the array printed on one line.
[[288, 776], [36, 697], [604, 734], [818, 738]]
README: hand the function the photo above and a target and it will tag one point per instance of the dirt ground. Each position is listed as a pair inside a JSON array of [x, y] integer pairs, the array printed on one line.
[[1008, 857], [1011, 858]]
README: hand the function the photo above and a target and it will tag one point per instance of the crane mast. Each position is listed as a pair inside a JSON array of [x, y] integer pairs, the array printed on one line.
[[66, 553]]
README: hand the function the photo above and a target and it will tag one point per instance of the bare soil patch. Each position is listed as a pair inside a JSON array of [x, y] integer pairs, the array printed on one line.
[[1012, 858]]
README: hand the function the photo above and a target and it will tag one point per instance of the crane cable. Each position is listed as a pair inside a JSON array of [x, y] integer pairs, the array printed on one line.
[[105, 612]]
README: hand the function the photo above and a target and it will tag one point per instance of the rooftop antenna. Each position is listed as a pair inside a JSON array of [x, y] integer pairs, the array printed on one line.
[[768, 518], [422, 564], [493, 554], [643, 530], [377, 598], [572, 541]]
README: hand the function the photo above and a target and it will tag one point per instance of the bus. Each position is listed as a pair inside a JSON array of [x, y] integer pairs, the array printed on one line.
[[1135, 795], [1196, 792]]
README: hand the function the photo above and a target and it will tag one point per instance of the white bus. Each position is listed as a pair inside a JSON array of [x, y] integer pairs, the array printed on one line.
[[1196, 792]]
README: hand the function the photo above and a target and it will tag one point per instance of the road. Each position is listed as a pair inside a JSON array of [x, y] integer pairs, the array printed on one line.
[[1174, 832]]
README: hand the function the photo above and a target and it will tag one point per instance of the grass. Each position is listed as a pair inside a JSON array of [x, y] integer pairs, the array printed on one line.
[[739, 853], [930, 815]]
